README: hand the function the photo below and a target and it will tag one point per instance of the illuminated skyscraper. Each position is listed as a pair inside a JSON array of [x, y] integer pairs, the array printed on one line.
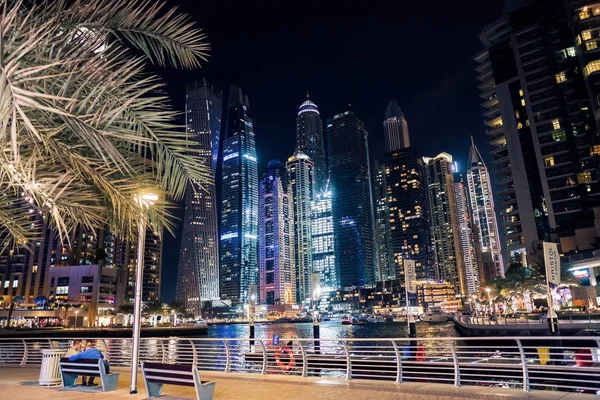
[[445, 227], [469, 237], [383, 229], [484, 215], [198, 273], [395, 128], [276, 238], [309, 140], [350, 183], [300, 173], [323, 250], [239, 203]]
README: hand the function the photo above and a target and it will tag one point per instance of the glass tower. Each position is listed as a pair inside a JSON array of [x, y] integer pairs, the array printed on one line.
[[350, 183], [383, 228], [276, 235], [395, 128], [309, 140], [239, 203], [323, 251], [198, 273], [300, 173]]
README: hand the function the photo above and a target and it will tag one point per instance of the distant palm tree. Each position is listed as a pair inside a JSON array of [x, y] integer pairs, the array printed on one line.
[[126, 308], [154, 309], [177, 306], [84, 126]]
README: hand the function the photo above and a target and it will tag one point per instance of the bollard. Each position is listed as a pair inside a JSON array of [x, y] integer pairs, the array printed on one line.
[[251, 325], [317, 336]]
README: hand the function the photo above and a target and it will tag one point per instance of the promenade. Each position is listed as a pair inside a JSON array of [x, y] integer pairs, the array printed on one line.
[[20, 383]]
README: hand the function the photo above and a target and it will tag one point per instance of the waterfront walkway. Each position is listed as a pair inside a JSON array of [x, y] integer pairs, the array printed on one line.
[[21, 383]]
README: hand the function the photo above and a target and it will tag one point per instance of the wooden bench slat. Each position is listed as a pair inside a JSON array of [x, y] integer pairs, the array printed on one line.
[[168, 367], [169, 371]]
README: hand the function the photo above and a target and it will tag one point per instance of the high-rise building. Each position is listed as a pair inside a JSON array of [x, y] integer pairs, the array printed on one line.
[[276, 238], [198, 272], [323, 247], [395, 128], [469, 238], [408, 212], [238, 248], [484, 215], [537, 75], [309, 140], [383, 229], [350, 183], [445, 227], [300, 174]]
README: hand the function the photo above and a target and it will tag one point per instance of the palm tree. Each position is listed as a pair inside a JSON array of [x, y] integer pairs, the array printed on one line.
[[177, 306], [126, 308], [154, 309], [85, 127]]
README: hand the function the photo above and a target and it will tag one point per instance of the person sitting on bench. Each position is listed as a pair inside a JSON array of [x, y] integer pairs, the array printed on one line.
[[91, 353]]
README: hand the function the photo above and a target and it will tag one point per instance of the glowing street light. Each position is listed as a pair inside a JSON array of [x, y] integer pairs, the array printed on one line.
[[76, 312], [145, 200], [488, 290]]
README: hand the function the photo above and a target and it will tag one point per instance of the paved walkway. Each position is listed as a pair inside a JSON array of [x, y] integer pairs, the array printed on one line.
[[20, 383]]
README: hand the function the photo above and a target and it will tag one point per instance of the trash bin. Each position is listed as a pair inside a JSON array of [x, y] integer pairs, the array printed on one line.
[[50, 370], [544, 355]]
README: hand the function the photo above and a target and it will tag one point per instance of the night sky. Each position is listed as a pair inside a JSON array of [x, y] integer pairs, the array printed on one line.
[[419, 53]]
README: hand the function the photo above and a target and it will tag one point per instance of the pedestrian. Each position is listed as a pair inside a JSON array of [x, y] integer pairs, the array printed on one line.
[[91, 353]]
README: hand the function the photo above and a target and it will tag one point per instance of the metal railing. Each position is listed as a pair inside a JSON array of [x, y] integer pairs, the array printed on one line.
[[548, 363], [529, 319]]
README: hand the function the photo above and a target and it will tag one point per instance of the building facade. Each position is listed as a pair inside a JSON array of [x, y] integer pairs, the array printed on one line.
[[350, 184], [300, 174], [537, 76], [323, 246], [198, 272], [484, 216], [276, 239], [383, 229], [309, 140], [395, 128], [408, 212], [444, 221], [238, 248]]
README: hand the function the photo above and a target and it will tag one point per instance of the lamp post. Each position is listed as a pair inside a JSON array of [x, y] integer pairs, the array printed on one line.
[[144, 200], [76, 312], [474, 305], [488, 290], [316, 326]]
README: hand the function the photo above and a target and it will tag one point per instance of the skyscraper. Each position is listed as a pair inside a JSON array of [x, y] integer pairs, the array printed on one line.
[[469, 237], [198, 273], [484, 215], [445, 227], [309, 140], [537, 77], [350, 183], [239, 202], [395, 128], [383, 230], [300, 173], [276, 238], [408, 213], [323, 250]]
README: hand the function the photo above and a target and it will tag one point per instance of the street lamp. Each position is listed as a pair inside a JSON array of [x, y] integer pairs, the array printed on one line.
[[488, 290], [76, 312], [145, 200], [475, 303]]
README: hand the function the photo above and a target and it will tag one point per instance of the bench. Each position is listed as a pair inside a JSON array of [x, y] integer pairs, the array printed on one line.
[[158, 374], [70, 370]]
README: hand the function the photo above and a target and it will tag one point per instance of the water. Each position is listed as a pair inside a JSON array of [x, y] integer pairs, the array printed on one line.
[[332, 330]]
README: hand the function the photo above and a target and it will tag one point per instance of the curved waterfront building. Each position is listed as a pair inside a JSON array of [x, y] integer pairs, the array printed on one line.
[[309, 140], [239, 203]]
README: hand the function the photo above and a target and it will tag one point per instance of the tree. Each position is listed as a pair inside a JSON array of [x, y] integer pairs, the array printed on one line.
[[85, 127], [126, 308], [177, 306], [154, 309]]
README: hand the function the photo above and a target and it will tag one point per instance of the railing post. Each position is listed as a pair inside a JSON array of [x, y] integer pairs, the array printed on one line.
[[348, 361], [25, 351], [524, 363], [398, 363], [264, 352], [227, 356], [304, 361], [164, 355], [456, 365], [194, 352]]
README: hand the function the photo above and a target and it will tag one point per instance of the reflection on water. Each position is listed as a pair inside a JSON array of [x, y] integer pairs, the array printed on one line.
[[332, 330]]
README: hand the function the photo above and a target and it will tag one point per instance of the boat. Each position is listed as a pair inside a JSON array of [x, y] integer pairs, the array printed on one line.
[[399, 319], [375, 318], [435, 316], [353, 321]]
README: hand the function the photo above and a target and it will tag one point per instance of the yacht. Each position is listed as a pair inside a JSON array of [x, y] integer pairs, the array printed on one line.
[[435, 315]]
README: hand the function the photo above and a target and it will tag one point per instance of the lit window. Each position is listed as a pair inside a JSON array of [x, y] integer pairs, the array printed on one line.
[[559, 136], [584, 14], [595, 150], [523, 102], [584, 177], [591, 45], [571, 51], [591, 67], [587, 35], [519, 125], [555, 124], [549, 161], [521, 92], [561, 76]]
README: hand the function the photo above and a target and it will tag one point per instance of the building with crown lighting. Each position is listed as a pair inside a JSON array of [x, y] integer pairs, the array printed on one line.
[[395, 128], [309, 140], [276, 238], [238, 248], [300, 175]]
